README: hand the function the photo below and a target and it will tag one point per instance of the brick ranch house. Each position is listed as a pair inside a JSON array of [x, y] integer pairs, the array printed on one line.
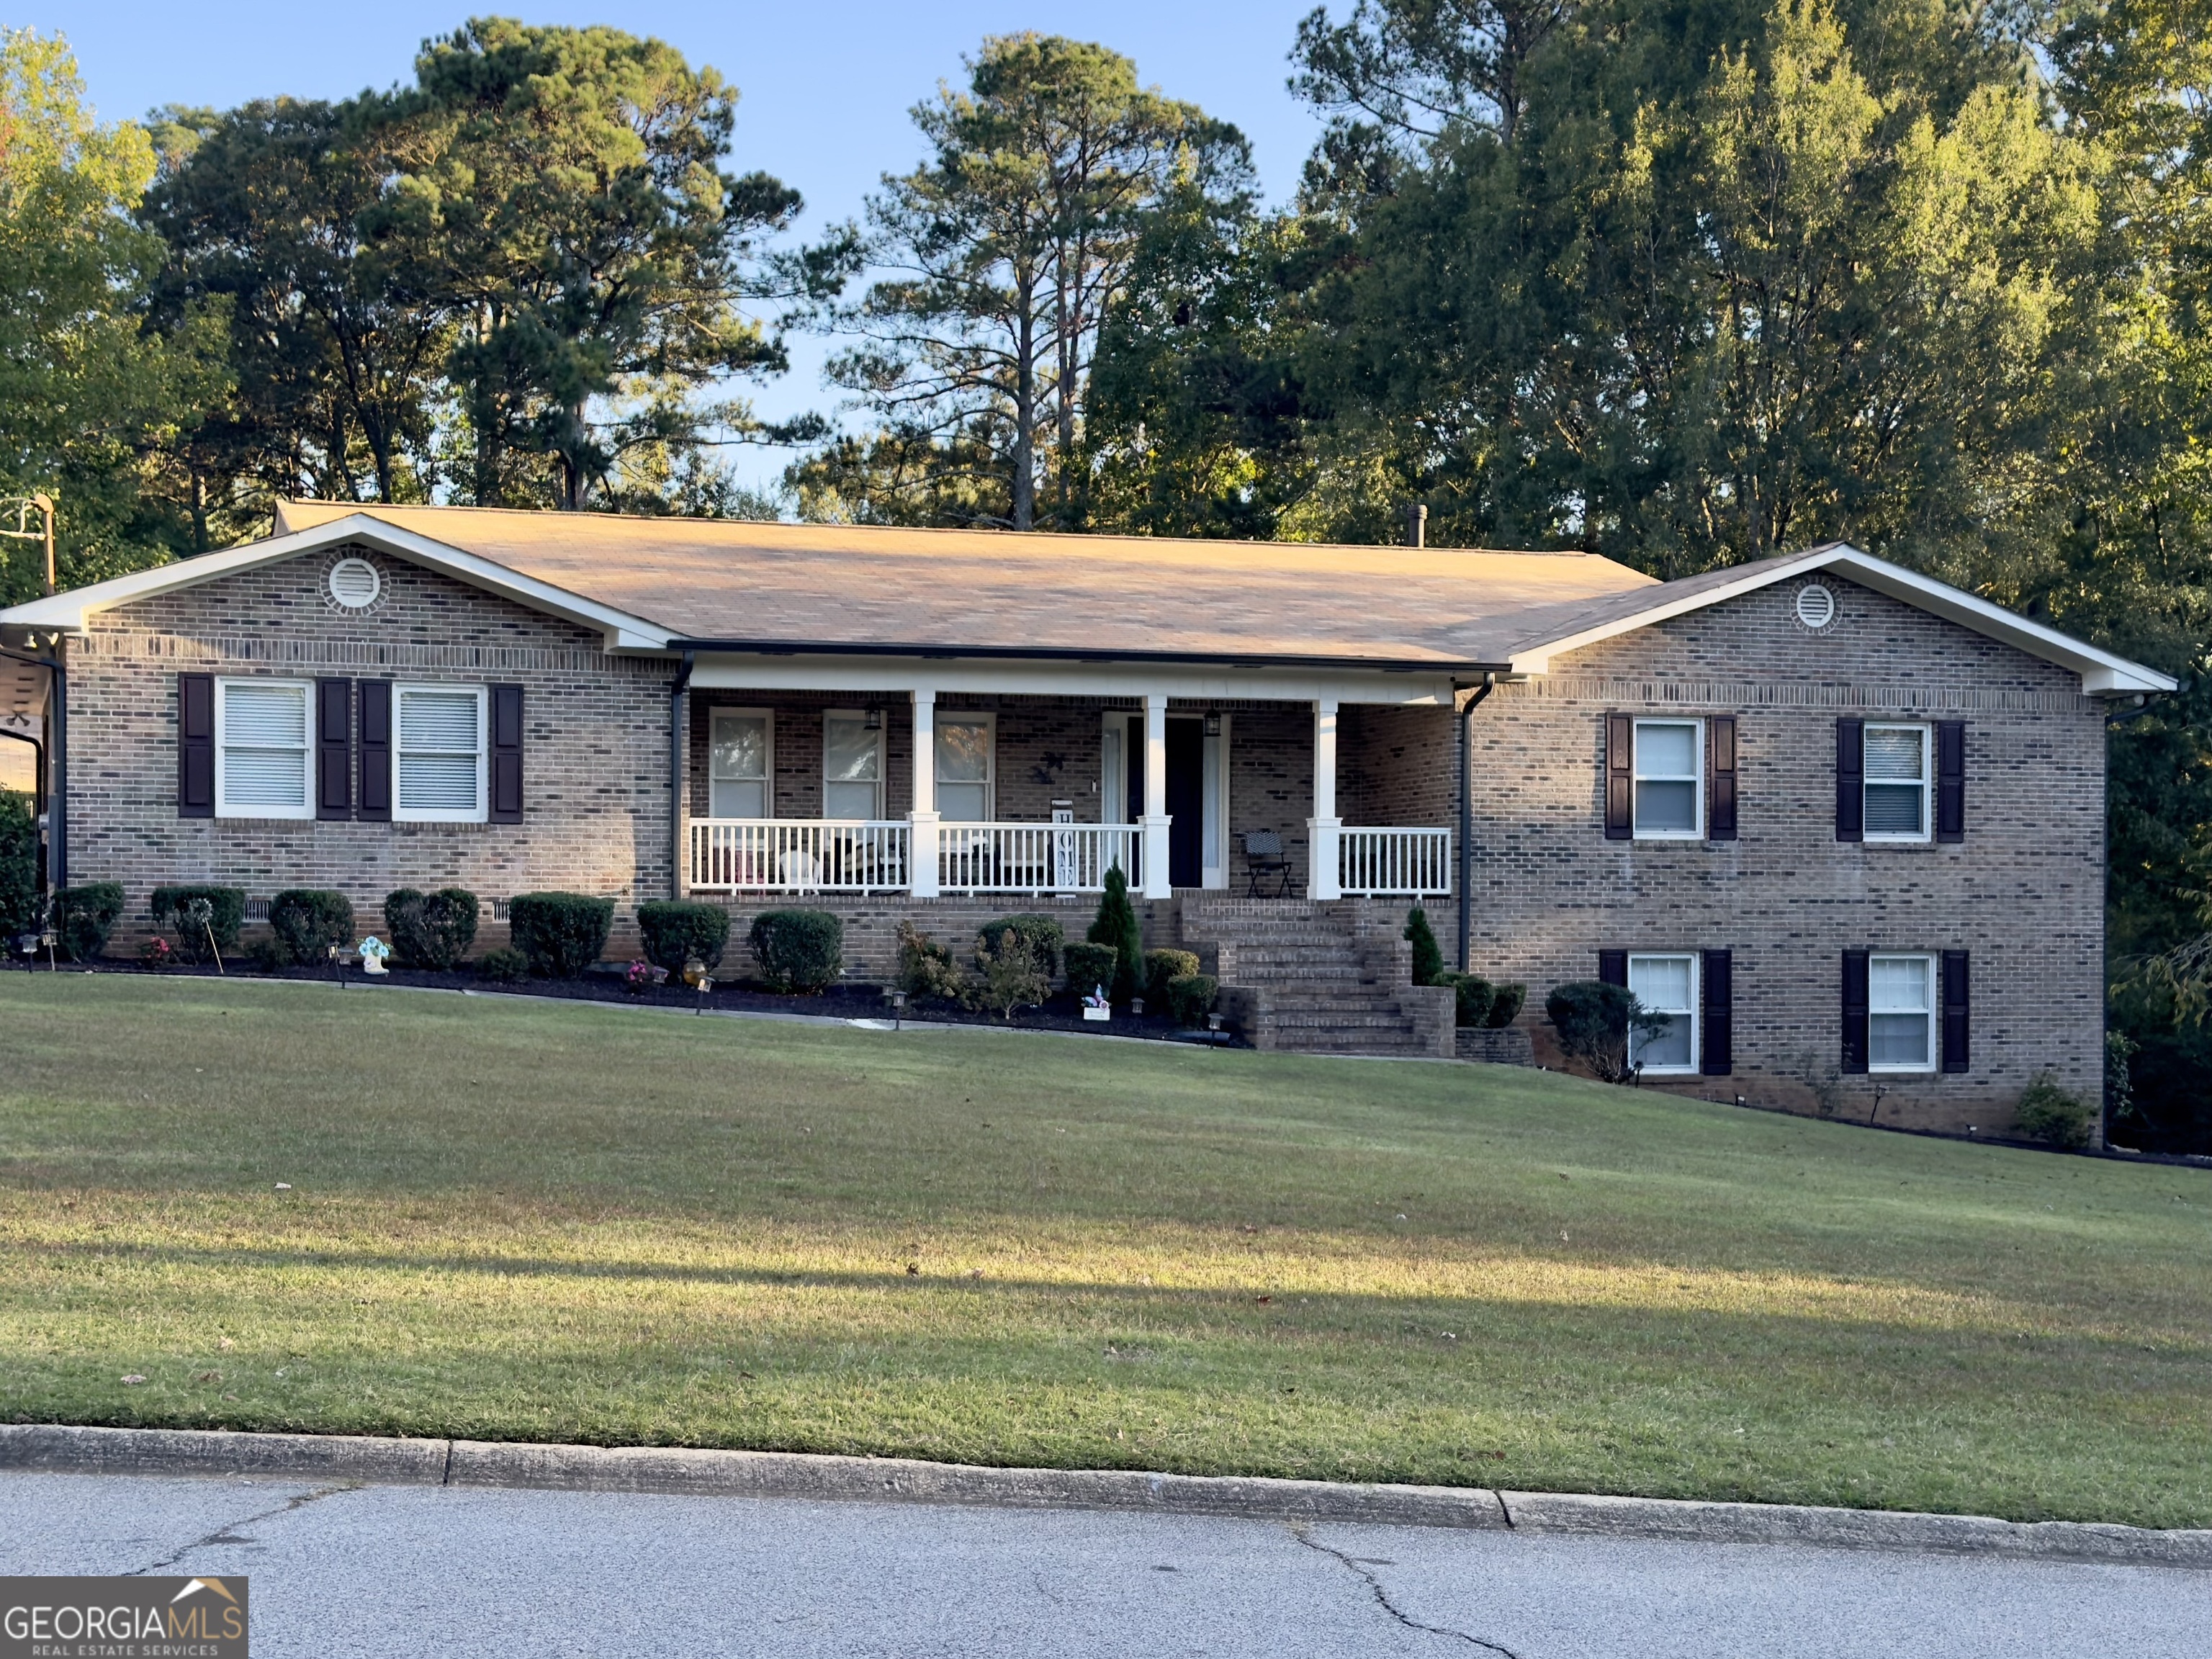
[[1845, 824]]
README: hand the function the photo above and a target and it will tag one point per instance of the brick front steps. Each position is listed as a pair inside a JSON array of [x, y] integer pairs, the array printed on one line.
[[1317, 978]]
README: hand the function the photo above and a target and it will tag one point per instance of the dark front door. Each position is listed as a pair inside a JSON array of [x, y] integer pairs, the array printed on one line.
[[1186, 802]]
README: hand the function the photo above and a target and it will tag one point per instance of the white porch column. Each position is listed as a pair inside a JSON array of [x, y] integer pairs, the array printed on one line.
[[921, 872], [1155, 820], [1324, 879]]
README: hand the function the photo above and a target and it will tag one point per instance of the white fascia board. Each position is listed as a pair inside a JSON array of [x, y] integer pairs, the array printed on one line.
[[66, 613], [946, 677], [2102, 673]]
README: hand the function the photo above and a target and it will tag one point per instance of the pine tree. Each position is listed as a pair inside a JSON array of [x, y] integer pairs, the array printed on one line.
[[1116, 924]]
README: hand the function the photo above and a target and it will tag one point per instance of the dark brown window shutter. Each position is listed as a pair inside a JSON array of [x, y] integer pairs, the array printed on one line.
[[1613, 968], [375, 801], [1720, 777], [1950, 780], [1619, 777], [1717, 1010], [1851, 781], [333, 749], [1855, 1010], [507, 754], [195, 745], [1955, 1019]]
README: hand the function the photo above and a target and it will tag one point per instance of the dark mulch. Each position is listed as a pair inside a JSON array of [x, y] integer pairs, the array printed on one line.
[[1062, 1012]]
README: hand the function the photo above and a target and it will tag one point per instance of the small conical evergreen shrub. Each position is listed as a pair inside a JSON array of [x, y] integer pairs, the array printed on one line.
[[1116, 927], [1428, 960]]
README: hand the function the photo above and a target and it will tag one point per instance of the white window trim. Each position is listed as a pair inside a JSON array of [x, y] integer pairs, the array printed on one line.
[[482, 812], [1927, 831], [1933, 1009], [883, 761], [1696, 1014], [1696, 780], [989, 719], [306, 810], [767, 794]]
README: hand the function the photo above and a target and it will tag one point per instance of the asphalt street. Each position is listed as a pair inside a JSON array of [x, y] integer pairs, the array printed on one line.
[[410, 1570]]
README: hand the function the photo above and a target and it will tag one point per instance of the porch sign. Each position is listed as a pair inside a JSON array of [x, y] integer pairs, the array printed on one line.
[[1067, 867]]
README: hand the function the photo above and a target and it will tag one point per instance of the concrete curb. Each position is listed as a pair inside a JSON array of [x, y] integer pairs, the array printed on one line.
[[369, 1461]]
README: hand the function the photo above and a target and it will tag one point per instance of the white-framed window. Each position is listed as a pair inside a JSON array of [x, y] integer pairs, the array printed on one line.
[[1901, 1013], [262, 767], [967, 766], [1670, 780], [1666, 984], [439, 754], [741, 764], [1896, 765], [852, 765]]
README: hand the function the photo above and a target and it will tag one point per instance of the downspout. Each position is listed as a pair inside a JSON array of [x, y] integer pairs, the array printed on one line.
[[57, 786], [675, 689], [1467, 822]]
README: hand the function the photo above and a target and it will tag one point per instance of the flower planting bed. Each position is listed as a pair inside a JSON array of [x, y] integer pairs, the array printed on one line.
[[1061, 1012]]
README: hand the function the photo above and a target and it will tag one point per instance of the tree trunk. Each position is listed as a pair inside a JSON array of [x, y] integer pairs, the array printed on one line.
[[1024, 480]]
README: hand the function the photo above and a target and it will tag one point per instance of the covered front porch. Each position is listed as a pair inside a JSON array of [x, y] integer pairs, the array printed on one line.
[[973, 788]]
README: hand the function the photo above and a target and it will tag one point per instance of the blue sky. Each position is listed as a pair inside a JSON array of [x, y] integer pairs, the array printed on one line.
[[826, 84]]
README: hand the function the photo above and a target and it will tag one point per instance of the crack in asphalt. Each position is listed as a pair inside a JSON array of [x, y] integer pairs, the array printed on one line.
[[1382, 1599], [226, 1534]]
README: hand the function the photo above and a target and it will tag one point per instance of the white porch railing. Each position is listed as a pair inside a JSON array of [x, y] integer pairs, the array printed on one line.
[[1033, 858], [1377, 863], [799, 855]]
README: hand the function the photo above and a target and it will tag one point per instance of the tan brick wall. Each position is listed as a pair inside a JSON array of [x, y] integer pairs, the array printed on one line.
[[595, 756], [2024, 892]]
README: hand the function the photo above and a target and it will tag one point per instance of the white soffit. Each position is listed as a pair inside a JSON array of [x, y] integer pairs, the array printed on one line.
[[65, 613], [2102, 673]]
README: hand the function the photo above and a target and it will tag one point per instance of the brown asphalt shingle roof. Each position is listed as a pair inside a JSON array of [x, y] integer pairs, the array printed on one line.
[[876, 587]]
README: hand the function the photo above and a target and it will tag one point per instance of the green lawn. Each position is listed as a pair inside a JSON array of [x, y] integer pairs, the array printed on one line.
[[523, 1220]]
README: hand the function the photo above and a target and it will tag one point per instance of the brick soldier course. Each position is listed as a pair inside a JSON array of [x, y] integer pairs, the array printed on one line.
[[607, 628]]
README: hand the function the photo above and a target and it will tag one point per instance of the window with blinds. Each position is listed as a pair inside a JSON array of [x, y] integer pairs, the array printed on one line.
[[1896, 771], [438, 758], [262, 750]]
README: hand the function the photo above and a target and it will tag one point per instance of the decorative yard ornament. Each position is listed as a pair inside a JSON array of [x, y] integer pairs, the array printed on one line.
[[694, 971], [373, 950], [1096, 1006], [203, 912]]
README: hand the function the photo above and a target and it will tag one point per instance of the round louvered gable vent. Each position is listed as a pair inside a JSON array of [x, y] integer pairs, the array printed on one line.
[[355, 584], [1816, 606]]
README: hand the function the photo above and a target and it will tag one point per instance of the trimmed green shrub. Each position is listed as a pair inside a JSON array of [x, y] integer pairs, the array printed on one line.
[[88, 915], [431, 931], [19, 863], [1189, 998], [1160, 967], [676, 930], [1428, 960], [562, 934], [1594, 1021], [1116, 924], [1474, 998], [1090, 966], [798, 951], [926, 970], [1016, 971], [171, 908], [1506, 1005], [1046, 938], [503, 965], [306, 922], [267, 955], [2048, 1113]]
